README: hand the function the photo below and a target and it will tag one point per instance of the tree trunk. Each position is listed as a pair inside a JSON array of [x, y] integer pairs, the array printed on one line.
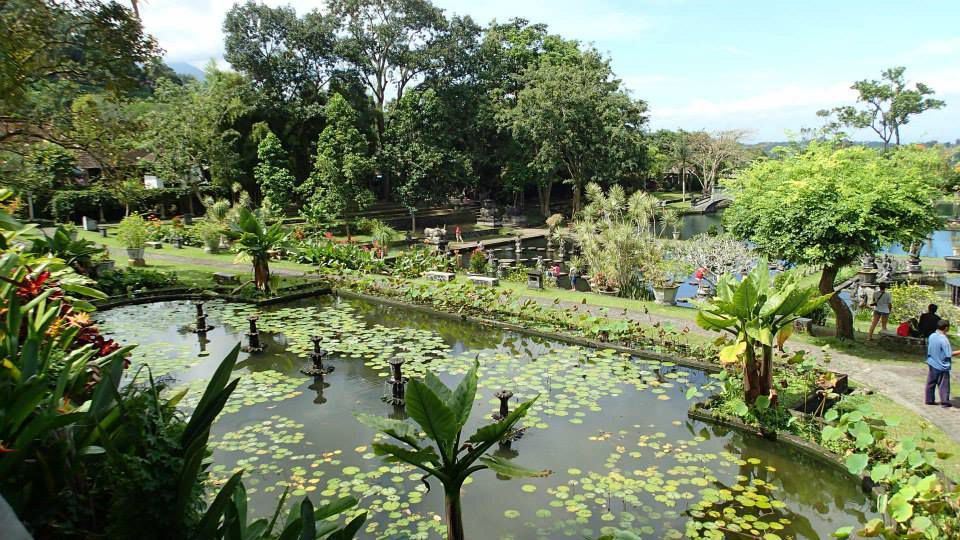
[[751, 376], [30, 206], [347, 225], [576, 198], [841, 312], [766, 370], [543, 194], [454, 516], [261, 274], [683, 183]]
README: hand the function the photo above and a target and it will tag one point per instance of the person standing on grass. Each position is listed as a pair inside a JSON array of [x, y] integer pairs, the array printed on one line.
[[939, 356], [882, 304]]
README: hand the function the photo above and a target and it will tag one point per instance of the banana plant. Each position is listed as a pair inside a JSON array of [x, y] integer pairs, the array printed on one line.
[[257, 240], [758, 316], [441, 414]]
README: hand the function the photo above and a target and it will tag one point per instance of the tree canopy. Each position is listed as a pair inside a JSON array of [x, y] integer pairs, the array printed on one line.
[[827, 206]]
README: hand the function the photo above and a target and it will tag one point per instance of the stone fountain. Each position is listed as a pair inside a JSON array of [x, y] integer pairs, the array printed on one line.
[[316, 357], [201, 326], [254, 345]]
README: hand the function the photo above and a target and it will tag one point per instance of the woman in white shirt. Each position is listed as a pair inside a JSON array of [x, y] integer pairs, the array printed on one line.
[[882, 305]]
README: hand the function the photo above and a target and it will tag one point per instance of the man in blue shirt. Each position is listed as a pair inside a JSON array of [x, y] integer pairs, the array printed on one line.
[[939, 355]]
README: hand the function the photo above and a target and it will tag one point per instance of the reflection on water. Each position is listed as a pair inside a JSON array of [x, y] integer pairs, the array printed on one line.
[[613, 429]]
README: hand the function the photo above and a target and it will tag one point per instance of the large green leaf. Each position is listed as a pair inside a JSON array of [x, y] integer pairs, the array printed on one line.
[[350, 529], [856, 463], [333, 508], [434, 416], [507, 468], [462, 401], [426, 458], [211, 518], [213, 399], [434, 383], [397, 429]]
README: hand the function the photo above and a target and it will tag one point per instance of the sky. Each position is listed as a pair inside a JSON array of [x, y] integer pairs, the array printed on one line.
[[764, 66]]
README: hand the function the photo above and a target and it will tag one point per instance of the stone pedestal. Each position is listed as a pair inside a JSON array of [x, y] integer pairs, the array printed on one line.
[[953, 263]]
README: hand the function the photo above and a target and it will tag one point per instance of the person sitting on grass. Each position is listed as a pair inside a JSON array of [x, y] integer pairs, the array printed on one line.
[[928, 322], [939, 356]]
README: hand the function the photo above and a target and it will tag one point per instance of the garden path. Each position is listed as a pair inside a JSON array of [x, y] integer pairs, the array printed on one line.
[[903, 382]]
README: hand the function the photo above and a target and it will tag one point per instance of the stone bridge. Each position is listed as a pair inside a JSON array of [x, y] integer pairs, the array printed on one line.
[[710, 203]]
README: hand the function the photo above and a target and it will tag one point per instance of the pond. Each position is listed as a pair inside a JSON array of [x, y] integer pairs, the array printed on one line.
[[613, 429]]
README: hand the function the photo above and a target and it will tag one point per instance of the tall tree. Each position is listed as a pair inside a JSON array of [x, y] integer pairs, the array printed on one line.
[[289, 59], [422, 152], [189, 129], [827, 207], [714, 156], [888, 105], [74, 46], [390, 43], [341, 170], [578, 120], [273, 174]]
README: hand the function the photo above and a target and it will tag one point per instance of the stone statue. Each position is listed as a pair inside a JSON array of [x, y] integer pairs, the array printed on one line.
[[435, 235], [886, 270]]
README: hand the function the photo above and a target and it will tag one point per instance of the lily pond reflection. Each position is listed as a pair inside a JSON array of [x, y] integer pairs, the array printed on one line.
[[613, 429]]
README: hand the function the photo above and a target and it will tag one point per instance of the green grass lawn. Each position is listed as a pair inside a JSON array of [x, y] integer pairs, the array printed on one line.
[[189, 252]]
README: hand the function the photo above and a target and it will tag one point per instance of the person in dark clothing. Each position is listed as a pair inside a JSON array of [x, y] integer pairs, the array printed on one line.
[[928, 321]]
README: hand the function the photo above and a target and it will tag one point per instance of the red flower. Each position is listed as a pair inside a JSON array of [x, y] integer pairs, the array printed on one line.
[[31, 287]]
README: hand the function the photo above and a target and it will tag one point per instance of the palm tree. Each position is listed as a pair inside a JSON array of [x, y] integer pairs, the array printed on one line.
[[257, 241]]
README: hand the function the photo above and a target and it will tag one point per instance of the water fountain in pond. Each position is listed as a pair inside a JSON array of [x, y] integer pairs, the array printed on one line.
[[397, 383], [201, 326], [316, 356], [254, 345], [504, 397]]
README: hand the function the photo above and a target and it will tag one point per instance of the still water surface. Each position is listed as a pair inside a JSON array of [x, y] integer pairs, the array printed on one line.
[[613, 429]]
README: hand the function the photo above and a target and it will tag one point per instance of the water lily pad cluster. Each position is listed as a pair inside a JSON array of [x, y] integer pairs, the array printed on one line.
[[344, 334], [571, 381]]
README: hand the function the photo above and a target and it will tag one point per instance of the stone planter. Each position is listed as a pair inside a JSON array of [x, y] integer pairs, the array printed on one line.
[[609, 292], [666, 296], [953, 263], [103, 266], [136, 256], [867, 276]]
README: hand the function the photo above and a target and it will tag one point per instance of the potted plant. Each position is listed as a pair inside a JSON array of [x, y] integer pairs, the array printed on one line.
[[478, 262], [132, 232], [103, 263], [210, 234], [662, 276], [602, 284], [71, 230]]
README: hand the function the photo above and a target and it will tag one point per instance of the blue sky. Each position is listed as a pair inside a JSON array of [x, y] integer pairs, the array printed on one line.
[[762, 66]]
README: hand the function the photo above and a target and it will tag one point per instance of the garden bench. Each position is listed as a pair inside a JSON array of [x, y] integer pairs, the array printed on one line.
[[485, 281], [155, 245], [439, 276], [223, 277]]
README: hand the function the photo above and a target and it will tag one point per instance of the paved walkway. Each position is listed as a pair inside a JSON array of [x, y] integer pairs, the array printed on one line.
[[900, 381]]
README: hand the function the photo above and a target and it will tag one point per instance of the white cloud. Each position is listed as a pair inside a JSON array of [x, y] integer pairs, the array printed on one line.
[[791, 96]]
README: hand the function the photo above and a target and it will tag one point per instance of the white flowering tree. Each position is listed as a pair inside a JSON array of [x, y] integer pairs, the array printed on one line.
[[716, 255]]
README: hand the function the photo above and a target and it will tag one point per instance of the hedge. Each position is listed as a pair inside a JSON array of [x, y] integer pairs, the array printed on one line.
[[69, 205]]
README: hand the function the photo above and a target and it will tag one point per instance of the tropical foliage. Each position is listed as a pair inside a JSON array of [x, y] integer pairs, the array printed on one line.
[[827, 206], [759, 317], [442, 413], [257, 241]]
